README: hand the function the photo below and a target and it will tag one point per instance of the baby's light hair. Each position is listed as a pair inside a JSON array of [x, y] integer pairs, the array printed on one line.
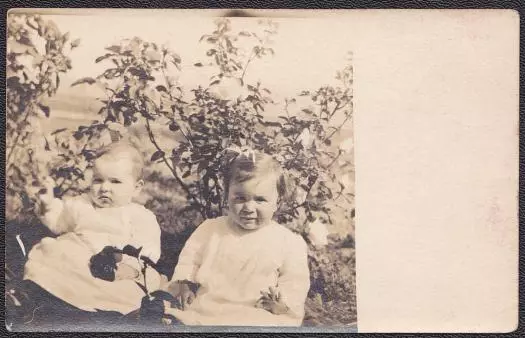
[[255, 165], [124, 150]]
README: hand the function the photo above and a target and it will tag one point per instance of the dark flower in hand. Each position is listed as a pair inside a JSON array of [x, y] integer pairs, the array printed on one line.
[[104, 264]]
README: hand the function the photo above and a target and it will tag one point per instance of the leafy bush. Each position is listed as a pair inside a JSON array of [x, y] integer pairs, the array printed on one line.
[[37, 55], [207, 123]]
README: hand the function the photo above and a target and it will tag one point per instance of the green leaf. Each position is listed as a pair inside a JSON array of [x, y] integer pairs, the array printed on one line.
[[157, 155], [89, 154], [229, 44], [78, 173], [75, 43], [271, 124], [88, 80], [114, 49], [45, 109], [161, 88], [58, 131], [176, 58], [308, 111], [103, 57], [46, 146]]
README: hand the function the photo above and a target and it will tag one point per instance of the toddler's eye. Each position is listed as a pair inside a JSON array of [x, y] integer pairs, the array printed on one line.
[[260, 199], [115, 181], [239, 198], [97, 181]]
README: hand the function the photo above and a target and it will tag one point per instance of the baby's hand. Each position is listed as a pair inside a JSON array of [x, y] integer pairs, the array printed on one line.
[[125, 271], [272, 302], [45, 194], [182, 292]]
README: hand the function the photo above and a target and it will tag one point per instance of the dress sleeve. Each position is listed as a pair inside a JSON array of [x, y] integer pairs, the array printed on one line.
[[191, 256], [59, 216], [146, 234], [294, 277]]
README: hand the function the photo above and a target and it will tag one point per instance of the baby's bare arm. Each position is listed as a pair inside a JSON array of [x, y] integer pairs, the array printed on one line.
[[54, 213], [126, 271]]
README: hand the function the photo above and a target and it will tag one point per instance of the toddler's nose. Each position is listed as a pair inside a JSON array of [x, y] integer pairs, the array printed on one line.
[[248, 208]]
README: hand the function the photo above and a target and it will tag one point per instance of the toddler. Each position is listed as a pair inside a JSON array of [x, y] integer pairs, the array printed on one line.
[[87, 225], [243, 268]]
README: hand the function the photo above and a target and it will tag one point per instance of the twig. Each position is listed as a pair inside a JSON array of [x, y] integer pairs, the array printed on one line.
[[253, 54], [337, 107], [333, 161], [171, 98], [338, 128], [286, 103], [172, 169]]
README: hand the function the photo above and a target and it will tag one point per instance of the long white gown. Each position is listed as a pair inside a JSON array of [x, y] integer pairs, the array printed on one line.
[[233, 266], [61, 265]]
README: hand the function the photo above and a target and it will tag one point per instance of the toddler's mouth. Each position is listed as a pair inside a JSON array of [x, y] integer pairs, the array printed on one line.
[[104, 198]]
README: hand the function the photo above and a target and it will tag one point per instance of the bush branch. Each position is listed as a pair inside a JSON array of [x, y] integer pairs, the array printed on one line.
[[172, 169]]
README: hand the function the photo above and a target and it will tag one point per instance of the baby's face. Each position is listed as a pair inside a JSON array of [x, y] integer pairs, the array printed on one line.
[[113, 184], [252, 203]]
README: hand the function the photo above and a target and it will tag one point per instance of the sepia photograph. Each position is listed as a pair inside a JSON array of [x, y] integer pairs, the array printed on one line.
[[179, 170]]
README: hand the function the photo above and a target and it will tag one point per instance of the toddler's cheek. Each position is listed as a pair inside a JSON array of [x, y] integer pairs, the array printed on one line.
[[265, 216]]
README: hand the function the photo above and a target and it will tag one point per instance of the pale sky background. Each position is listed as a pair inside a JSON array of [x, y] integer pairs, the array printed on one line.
[[308, 52]]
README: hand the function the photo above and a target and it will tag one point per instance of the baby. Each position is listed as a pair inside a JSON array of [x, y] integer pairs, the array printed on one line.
[[88, 224], [243, 268]]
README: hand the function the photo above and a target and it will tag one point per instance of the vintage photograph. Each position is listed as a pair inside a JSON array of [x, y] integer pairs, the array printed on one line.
[[178, 170]]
